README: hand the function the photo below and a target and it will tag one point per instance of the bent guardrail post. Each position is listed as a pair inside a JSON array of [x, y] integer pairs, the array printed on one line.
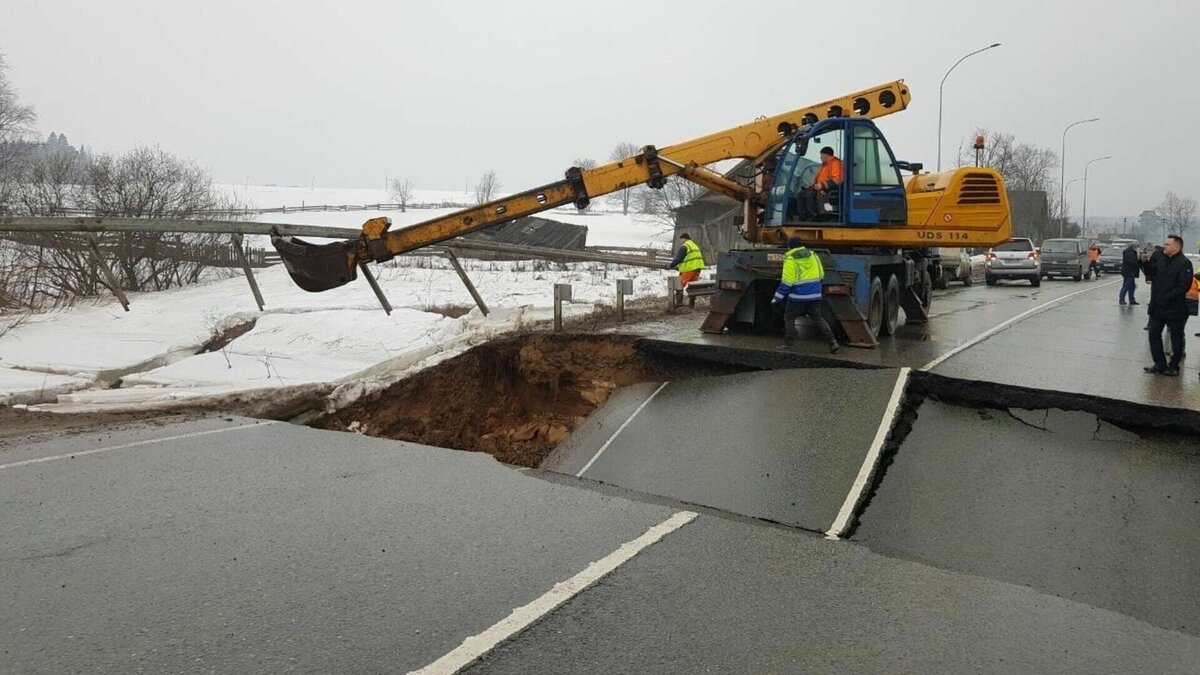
[[240, 250], [104, 269], [462, 274]]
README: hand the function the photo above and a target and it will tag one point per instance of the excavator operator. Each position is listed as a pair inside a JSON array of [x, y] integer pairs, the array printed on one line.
[[829, 178]]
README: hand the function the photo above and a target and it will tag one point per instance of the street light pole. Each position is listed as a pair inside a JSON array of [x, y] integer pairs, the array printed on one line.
[[1062, 214], [943, 84], [1083, 225]]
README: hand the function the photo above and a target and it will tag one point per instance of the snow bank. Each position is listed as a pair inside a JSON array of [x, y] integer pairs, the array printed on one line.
[[339, 341]]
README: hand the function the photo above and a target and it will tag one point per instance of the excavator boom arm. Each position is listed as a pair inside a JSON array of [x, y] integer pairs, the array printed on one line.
[[317, 268]]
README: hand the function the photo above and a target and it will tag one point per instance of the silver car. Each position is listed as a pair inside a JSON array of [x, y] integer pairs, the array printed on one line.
[[1014, 259]]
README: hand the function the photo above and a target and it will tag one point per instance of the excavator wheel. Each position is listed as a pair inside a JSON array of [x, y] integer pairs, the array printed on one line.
[[891, 306], [875, 307]]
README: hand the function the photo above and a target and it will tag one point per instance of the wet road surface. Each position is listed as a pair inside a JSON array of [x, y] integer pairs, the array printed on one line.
[[786, 451], [1082, 343], [990, 541]]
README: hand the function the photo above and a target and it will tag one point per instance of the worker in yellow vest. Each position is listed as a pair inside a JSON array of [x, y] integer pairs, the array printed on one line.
[[800, 288], [689, 260]]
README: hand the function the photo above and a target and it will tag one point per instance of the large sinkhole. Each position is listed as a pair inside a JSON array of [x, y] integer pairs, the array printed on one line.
[[515, 399]]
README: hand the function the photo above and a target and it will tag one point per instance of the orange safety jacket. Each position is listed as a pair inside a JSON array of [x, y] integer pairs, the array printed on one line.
[[830, 171], [1094, 254]]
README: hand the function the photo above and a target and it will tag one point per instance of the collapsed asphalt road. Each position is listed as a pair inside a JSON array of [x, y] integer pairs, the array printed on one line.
[[981, 538]]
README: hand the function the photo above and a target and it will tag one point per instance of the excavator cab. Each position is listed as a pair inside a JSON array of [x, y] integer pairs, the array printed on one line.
[[871, 193]]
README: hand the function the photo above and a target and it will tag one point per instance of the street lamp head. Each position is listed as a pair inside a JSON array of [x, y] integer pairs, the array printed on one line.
[[994, 45]]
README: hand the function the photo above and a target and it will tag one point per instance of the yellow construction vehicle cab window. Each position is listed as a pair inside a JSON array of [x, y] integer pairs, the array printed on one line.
[[873, 166]]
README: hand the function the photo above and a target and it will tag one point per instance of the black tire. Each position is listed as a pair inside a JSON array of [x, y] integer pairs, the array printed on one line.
[[989, 280], [942, 282], [875, 307], [925, 290], [1078, 275], [891, 306], [969, 280], [1088, 275], [1035, 281]]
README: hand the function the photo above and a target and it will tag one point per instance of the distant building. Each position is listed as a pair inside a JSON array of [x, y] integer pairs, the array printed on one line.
[[1030, 214], [714, 220]]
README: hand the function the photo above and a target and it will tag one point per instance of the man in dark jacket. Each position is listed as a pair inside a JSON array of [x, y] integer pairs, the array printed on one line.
[[1130, 267], [1171, 281]]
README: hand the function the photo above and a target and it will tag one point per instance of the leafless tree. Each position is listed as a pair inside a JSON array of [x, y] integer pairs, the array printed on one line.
[[624, 151], [660, 205], [16, 121], [49, 181], [1176, 214], [487, 187], [143, 183], [402, 192], [1025, 167]]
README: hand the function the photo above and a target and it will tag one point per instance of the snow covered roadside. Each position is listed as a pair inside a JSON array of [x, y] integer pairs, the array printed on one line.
[[337, 343]]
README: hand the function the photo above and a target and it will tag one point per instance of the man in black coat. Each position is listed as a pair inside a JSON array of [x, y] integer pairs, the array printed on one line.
[[1171, 279], [1130, 267]]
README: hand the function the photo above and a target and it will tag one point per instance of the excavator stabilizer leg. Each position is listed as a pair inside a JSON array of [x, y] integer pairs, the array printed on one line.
[[858, 333], [723, 307]]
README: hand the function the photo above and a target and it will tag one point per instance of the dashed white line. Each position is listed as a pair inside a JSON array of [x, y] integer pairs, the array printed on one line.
[[522, 617], [1005, 324], [871, 462], [619, 430], [123, 446]]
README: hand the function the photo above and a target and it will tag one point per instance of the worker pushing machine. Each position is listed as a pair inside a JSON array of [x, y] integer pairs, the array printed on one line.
[[800, 288], [689, 260]]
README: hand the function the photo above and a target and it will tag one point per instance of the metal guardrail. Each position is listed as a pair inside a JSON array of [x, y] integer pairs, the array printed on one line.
[[236, 229]]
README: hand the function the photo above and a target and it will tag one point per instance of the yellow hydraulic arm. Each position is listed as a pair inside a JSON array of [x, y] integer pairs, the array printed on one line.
[[321, 267]]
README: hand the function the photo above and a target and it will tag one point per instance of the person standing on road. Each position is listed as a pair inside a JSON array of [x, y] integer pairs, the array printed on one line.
[[1168, 305], [1130, 267], [689, 260], [1094, 257], [800, 288]]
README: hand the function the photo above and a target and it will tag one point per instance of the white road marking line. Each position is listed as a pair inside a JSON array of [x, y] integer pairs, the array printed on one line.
[[1005, 324], [619, 430], [522, 617], [871, 461], [134, 444]]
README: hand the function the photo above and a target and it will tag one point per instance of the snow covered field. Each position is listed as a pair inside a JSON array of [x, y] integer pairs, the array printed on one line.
[[340, 340], [606, 224]]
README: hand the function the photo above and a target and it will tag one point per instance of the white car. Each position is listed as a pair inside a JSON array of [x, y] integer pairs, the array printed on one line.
[[1016, 258]]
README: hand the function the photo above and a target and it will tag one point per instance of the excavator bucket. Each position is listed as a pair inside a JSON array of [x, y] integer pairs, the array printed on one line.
[[317, 267]]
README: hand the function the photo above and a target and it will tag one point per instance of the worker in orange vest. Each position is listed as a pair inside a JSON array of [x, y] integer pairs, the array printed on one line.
[[1094, 256], [829, 177]]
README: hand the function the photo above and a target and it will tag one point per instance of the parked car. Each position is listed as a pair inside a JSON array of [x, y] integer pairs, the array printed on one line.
[[1014, 259], [1110, 257], [956, 266], [1066, 258]]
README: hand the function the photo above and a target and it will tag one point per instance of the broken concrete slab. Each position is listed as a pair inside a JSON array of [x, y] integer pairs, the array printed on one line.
[[783, 445], [1049, 501]]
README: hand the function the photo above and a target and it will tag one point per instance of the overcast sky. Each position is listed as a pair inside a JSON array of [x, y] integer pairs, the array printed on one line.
[[350, 92]]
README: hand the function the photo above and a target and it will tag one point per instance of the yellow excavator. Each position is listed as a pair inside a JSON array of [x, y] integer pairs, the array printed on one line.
[[877, 232]]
